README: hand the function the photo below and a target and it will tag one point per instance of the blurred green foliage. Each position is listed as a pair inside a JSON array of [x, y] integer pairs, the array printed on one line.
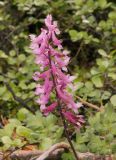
[[88, 30], [27, 128]]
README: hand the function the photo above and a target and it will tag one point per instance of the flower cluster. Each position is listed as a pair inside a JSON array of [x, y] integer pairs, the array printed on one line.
[[53, 62]]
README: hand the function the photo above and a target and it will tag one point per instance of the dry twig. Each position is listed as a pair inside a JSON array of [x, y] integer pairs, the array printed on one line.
[[88, 104]]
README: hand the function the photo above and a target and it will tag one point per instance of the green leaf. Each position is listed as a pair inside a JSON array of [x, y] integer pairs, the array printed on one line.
[[74, 35], [79, 85], [102, 3], [102, 52], [82, 148], [8, 129], [94, 71], [17, 142], [14, 122], [94, 121], [3, 55], [6, 140], [59, 132], [21, 57], [50, 120], [2, 90], [97, 81], [35, 122], [113, 100], [12, 60], [40, 2], [112, 75], [22, 114], [112, 15], [24, 131], [81, 139], [68, 156], [46, 143], [12, 53], [102, 63], [89, 85], [23, 85], [32, 85], [106, 95]]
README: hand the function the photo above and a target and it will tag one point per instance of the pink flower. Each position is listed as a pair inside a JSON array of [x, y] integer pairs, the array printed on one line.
[[50, 108], [36, 76], [77, 120], [53, 61]]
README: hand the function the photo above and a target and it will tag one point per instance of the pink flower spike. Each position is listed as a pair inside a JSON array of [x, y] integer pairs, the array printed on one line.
[[52, 62], [74, 119], [50, 108]]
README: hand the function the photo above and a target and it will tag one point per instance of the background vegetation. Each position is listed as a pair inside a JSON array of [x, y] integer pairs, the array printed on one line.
[[88, 29]]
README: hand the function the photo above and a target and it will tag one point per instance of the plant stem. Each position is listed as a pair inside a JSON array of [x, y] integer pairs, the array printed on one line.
[[60, 111]]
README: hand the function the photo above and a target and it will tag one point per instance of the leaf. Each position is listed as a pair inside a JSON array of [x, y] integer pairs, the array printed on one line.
[[22, 114], [59, 132], [32, 85], [34, 122], [97, 81], [40, 2], [102, 3], [6, 140], [23, 85], [102, 63], [67, 156], [102, 52], [112, 15], [8, 129], [46, 143], [89, 85], [106, 95], [17, 142], [81, 139], [14, 122], [21, 57], [2, 90], [50, 120], [94, 121], [94, 71], [82, 147], [12, 53], [112, 75], [3, 55], [12, 60], [24, 131], [113, 100], [74, 35]]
